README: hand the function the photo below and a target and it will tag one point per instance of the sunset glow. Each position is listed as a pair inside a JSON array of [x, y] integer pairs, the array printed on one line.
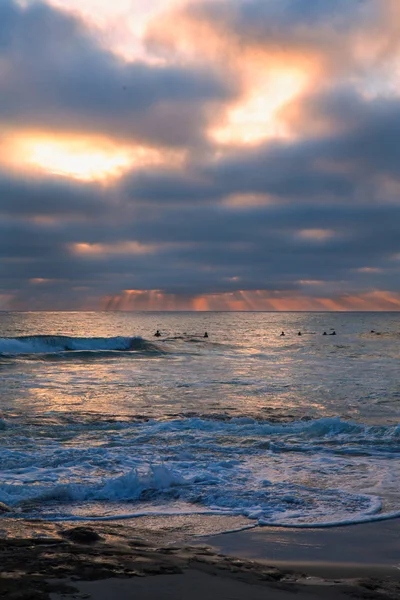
[[254, 300]]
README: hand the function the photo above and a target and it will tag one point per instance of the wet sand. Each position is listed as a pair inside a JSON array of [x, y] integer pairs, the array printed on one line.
[[160, 559], [353, 549], [200, 585]]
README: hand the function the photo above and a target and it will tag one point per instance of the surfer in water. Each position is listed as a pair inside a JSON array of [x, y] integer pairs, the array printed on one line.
[[205, 335], [157, 333]]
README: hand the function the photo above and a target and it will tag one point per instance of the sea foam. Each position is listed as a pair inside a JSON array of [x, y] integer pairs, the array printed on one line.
[[304, 473]]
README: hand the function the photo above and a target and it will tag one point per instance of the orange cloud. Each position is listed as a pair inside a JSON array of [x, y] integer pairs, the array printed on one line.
[[317, 235], [369, 270], [132, 247], [247, 200], [85, 249], [39, 280]]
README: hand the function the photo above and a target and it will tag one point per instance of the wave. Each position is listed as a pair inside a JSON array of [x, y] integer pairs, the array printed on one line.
[[168, 492], [28, 345], [326, 429], [301, 474]]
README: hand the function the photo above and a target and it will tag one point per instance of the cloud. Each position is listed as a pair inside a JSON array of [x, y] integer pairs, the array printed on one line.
[[301, 216], [352, 158], [51, 196], [72, 83], [339, 33]]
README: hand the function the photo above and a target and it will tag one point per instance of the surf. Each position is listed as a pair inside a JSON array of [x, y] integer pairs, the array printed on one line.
[[29, 345]]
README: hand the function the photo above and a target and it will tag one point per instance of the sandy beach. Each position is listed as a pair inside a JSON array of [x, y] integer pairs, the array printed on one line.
[[161, 559]]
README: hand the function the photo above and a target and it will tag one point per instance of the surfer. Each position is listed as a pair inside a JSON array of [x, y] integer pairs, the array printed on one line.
[[282, 334], [324, 333], [157, 333], [333, 333], [205, 335], [299, 333]]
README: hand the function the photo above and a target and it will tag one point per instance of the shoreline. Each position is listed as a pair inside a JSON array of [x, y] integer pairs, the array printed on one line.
[[153, 558]]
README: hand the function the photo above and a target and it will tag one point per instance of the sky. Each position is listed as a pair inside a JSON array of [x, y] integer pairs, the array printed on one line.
[[200, 155]]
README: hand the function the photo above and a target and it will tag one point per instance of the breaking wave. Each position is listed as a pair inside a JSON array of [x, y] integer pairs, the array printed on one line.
[[34, 345]]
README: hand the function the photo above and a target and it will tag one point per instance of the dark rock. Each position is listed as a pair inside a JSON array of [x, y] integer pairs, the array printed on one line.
[[82, 535]]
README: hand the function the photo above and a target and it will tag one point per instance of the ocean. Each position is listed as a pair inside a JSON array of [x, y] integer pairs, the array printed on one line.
[[99, 419]]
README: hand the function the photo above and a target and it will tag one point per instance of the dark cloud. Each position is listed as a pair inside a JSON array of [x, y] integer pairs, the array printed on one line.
[[200, 250], [51, 196]]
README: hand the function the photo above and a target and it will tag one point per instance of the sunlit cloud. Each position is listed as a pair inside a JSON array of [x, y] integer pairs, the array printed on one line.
[[126, 248], [120, 25], [38, 280], [369, 270], [247, 200], [256, 117], [269, 78], [85, 158], [135, 248], [317, 235], [85, 164]]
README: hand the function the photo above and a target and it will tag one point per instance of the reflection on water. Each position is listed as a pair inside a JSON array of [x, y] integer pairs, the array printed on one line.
[[289, 429], [245, 367]]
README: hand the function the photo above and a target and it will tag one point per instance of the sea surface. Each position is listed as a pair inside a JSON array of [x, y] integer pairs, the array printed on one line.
[[100, 419]]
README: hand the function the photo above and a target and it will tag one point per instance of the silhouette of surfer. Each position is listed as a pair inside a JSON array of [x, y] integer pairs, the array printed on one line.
[[324, 333], [205, 335], [282, 334], [333, 333], [157, 333], [299, 333]]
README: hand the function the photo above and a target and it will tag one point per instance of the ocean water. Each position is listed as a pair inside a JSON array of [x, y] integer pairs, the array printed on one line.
[[100, 419]]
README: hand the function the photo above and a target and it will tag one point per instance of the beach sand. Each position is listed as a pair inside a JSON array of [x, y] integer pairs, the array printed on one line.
[[159, 558]]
